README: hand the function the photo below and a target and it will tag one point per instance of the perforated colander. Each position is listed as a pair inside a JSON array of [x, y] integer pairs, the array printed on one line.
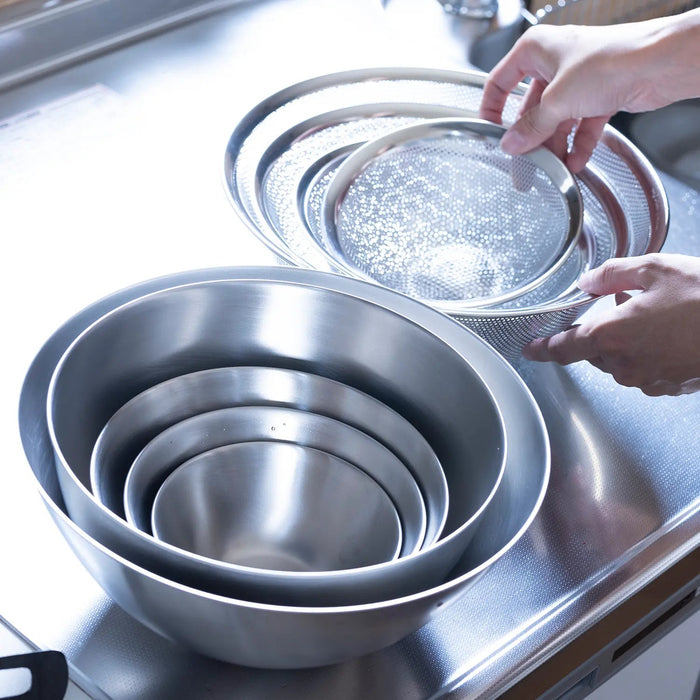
[[438, 211], [280, 158]]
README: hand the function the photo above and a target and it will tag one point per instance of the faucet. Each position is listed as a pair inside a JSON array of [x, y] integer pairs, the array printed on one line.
[[478, 9]]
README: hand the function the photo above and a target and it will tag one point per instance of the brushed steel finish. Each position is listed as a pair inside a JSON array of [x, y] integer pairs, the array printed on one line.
[[292, 637], [623, 508], [212, 429], [279, 506], [280, 321]]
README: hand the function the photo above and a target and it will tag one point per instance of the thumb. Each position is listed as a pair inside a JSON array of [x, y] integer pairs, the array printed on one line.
[[613, 276], [531, 130]]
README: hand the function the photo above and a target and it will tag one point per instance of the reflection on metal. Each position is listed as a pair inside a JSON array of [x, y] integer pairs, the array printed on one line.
[[46, 38], [594, 460], [473, 9]]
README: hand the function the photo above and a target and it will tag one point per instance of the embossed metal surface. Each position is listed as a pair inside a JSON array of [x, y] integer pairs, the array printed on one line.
[[623, 503]]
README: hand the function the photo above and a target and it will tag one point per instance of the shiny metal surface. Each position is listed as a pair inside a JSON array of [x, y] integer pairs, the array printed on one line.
[[630, 184], [274, 317], [206, 431], [594, 246], [437, 211], [295, 637], [281, 168], [278, 506], [270, 395], [312, 109], [154, 427], [625, 465], [477, 9]]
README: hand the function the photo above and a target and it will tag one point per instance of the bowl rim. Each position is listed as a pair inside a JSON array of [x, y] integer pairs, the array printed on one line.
[[293, 577], [55, 345]]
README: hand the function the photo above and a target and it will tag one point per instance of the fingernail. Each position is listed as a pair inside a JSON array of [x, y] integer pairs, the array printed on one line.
[[584, 281], [513, 143]]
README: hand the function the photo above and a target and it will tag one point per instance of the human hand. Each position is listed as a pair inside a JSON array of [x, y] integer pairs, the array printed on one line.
[[650, 340], [582, 75]]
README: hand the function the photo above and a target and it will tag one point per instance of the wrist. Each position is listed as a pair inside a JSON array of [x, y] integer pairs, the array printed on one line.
[[671, 55]]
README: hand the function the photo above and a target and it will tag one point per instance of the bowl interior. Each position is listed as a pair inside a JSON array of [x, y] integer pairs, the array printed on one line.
[[206, 431], [292, 637], [277, 324], [276, 505]]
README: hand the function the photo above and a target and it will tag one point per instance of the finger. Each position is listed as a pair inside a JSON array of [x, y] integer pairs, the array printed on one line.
[[586, 138], [558, 143], [532, 96], [569, 346], [528, 132], [522, 171], [615, 275], [501, 81], [599, 363]]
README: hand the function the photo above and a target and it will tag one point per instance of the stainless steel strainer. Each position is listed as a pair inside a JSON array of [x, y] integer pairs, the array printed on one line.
[[438, 211], [625, 207]]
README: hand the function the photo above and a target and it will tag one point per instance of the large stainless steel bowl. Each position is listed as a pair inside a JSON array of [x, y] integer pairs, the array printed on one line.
[[291, 637], [289, 323]]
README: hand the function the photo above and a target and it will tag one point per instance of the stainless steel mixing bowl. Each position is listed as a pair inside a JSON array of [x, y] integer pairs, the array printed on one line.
[[291, 637], [268, 322], [206, 431], [276, 505], [154, 411]]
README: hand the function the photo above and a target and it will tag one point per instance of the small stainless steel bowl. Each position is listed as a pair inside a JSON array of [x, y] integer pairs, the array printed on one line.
[[268, 322], [206, 431], [158, 408], [279, 506]]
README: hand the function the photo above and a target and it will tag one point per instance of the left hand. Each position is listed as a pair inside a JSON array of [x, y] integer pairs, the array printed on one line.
[[650, 340]]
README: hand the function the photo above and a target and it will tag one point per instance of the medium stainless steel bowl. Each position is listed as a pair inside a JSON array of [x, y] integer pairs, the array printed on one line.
[[279, 506], [269, 322], [267, 636], [200, 433], [155, 410]]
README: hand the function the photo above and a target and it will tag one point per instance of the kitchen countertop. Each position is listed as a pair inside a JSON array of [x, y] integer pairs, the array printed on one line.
[[110, 174]]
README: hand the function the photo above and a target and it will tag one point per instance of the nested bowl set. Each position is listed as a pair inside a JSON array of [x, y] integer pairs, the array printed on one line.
[[290, 466]]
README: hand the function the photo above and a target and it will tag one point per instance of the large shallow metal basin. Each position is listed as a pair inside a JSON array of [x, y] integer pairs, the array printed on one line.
[[289, 637], [279, 323]]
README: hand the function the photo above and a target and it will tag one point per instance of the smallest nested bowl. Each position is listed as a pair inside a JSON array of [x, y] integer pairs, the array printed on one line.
[[279, 506]]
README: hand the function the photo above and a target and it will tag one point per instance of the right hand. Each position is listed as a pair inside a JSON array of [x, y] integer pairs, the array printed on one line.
[[649, 340], [583, 75]]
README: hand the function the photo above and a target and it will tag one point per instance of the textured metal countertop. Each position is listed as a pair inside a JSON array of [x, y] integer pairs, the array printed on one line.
[[109, 175]]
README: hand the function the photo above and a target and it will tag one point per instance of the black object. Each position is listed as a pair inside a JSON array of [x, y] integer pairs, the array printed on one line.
[[49, 671]]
